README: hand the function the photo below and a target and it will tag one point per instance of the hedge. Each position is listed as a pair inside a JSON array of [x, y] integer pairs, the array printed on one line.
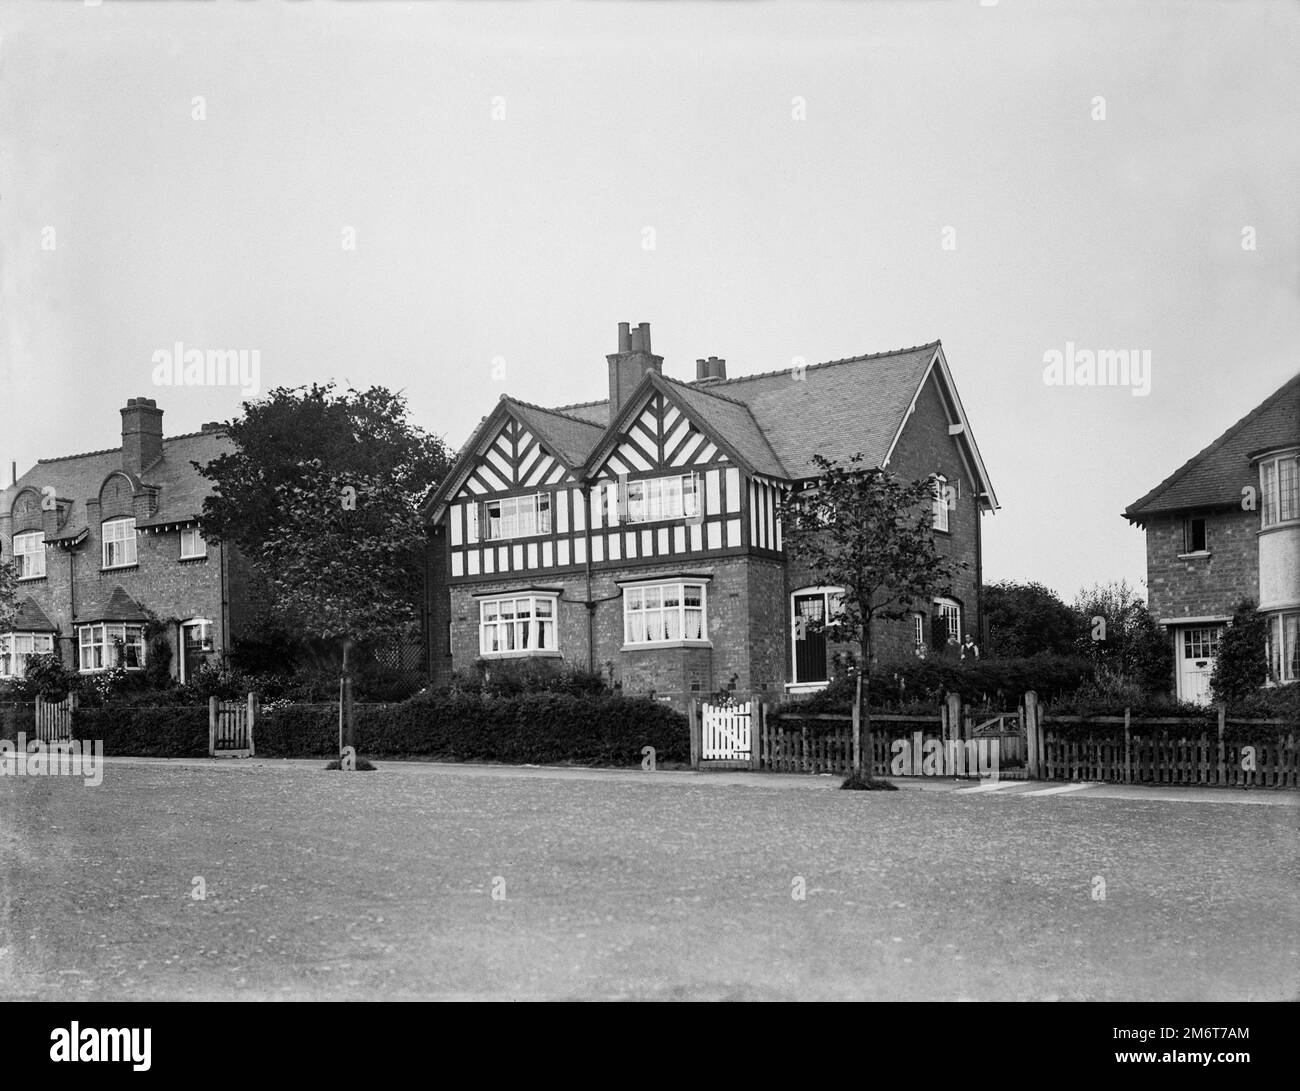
[[536, 728]]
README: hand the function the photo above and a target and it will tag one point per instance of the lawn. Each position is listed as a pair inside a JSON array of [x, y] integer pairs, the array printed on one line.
[[381, 885]]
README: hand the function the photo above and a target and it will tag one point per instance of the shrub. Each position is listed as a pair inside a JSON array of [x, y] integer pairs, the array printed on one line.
[[145, 732], [1241, 666]]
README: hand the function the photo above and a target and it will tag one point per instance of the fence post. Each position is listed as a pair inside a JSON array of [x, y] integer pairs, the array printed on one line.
[[1128, 747], [212, 727], [756, 731], [1034, 759], [252, 719], [693, 719], [1223, 765]]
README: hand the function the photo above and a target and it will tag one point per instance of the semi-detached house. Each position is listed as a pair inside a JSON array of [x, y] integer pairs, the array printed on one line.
[[638, 535]]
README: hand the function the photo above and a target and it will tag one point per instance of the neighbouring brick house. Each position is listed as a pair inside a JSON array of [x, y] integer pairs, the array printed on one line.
[[108, 541], [1223, 527], [637, 535]]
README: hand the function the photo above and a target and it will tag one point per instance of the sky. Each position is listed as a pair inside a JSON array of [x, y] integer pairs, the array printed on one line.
[[463, 200]]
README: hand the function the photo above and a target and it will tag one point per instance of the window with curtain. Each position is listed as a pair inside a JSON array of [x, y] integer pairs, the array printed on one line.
[[663, 613]]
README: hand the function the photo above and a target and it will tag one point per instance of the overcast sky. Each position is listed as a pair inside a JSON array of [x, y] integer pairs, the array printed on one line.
[[188, 172]]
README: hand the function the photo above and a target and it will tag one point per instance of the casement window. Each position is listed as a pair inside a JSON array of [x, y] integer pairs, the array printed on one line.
[[98, 645], [29, 555], [655, 498], [16, 647], [517, 623], [1194, 538], [918, 630], [119, 542], [192, 544], [515, 517], [1279, 486], [947, 619], [1284, 647], [940, 502], [660, 613]]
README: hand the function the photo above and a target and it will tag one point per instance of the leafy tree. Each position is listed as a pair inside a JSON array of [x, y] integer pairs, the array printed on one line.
[[1241, 666], [1027, 619], [1121, 638], [8, 595], [866, 531], [321, 495]]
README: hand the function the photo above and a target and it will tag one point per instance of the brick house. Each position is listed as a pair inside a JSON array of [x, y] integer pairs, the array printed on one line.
[[108, 541], [1223, 527], [637, 535]]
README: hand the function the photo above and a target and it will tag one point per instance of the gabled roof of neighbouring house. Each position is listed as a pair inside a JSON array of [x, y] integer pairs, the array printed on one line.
[[30, 618], [77, 478], [1216, 476], [117, 605]]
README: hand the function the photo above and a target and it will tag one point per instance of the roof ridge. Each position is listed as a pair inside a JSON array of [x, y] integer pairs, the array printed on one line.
[[574, 405], [825, 363], [706, 390], [118, 449], [1215, 445], [554, 412]]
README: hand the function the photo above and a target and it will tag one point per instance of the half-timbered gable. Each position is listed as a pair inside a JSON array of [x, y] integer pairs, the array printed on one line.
[[639, 536]]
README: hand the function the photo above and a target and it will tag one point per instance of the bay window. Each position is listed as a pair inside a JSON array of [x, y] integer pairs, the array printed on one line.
[[106, 645], [29, 555], [662, 613], [1279, 486], [1284, 647], [16, 647], [522, 624]]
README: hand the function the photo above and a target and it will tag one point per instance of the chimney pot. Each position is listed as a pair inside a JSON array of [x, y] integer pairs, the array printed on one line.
[[718, 368], [637, 344], [701, 369], [645, 336], [624, 337]]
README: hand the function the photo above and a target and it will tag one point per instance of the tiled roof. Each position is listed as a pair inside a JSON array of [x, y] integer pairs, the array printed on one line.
[[78, 478], [1216, 476], [734, 423], [30, 618], [570, 437], [117, 605]]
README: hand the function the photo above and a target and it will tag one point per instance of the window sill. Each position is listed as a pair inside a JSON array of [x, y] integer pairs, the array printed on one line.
[[199, 557], [33, 579], [540, 653], [659, 645], [105, 670], [119, 567], [1281, 524], [1195, 555]]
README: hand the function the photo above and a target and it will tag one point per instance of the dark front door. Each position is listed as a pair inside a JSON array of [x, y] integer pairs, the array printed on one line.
[[809, 642]]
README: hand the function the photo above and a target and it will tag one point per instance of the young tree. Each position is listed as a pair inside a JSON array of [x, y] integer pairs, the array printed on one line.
[[321, 495], [1117, 632], [866, 531], [1026, 619], [1241, 666]]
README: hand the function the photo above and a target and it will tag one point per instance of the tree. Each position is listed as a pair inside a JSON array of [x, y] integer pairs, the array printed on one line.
[[321, 495], [8, 595], [866, 531], [1241, 666], [1026, 619], [1117, 632]]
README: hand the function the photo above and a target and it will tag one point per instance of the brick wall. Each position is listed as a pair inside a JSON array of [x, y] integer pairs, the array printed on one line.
[[1202, 586]]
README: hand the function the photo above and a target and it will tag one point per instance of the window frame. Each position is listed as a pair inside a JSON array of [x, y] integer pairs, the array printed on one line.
[[938, 522], [21, 555], [543, 517], [203, 542], [1190, 548], [105, 541], [636, 593], [10, 666], [99, 649], [1272, 510], [527, 632], [1283, 669], [942, 606], [652, 490]]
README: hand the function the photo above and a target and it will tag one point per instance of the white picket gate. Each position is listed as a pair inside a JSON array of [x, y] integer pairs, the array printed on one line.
[[54, 719], [726, 732]]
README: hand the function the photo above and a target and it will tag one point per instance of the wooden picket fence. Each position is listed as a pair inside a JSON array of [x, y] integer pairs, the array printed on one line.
[[54, 719], [230, 727], [1124, 750]]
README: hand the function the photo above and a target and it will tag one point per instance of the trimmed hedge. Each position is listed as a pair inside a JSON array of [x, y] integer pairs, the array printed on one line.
[[145, 732], [536, 728]]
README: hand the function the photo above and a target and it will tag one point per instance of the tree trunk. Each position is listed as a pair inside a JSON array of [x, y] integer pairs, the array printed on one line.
[[864, 698]]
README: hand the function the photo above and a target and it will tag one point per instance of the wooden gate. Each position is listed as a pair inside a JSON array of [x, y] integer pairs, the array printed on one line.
[[726, 734], [54, 719], [230, 727]]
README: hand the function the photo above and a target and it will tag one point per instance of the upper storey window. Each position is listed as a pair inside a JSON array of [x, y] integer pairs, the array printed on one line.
[[119, 543], [1279, 486]]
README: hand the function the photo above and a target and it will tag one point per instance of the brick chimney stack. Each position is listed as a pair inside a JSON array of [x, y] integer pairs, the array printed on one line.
[[627, 366], [141, 434]]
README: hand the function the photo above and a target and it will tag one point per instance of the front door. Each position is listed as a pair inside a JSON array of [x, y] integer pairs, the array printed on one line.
[[1196, 650], [809, 645]]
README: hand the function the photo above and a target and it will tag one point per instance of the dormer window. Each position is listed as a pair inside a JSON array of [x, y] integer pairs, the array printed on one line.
[[119, 543], [1279, 486], [29, 555]]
